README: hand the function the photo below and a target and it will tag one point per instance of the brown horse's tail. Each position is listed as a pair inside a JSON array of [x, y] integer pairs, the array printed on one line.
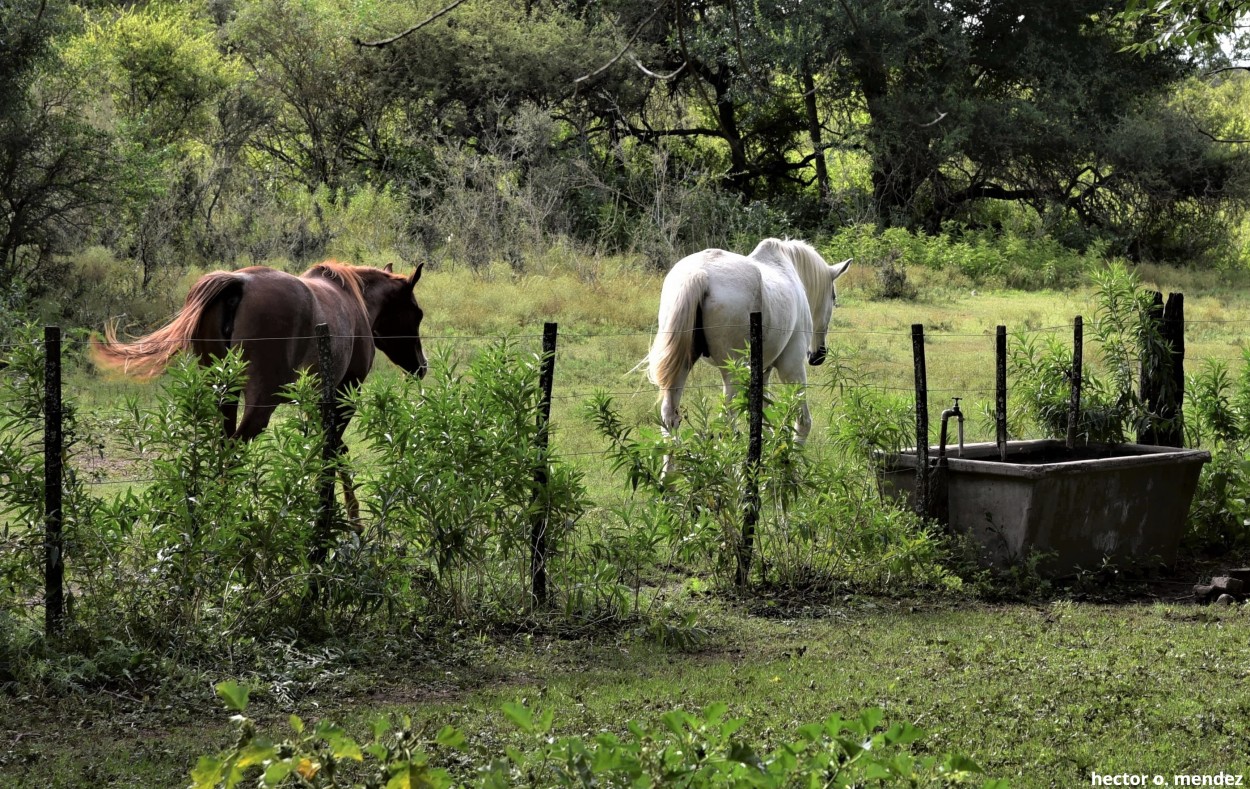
[[148, 356], [673, 350]]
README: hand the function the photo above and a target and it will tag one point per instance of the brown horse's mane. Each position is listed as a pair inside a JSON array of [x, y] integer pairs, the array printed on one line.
[[342, 273]]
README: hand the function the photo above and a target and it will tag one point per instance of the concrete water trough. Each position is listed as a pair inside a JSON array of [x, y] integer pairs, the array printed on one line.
[[1078, 507]]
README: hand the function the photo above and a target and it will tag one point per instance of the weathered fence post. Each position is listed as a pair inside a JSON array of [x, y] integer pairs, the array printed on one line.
[[1000, 391], [538, 527], [922, 420], [1163, 373], [1171, 407], [329, 450], [1078, 361], [755, 450], [53, 543]]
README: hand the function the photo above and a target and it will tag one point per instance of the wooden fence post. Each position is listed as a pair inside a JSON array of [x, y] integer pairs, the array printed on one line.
[[541, 517], [1172, 406], [1163, 373], [53, 542], [755, 450], [922, 420], [1000, 391], [1078, 361], [329, 450]]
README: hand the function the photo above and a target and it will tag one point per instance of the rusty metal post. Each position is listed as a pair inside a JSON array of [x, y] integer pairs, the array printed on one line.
[[53, 471], [538, 527], [755, 451]]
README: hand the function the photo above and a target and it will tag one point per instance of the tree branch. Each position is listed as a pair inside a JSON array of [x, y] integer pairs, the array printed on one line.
[[653, 75], [388, 41], [624, 49]]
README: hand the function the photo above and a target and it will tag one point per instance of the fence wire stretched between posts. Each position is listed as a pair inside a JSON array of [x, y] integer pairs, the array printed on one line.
[[873, 362], [875, 368]]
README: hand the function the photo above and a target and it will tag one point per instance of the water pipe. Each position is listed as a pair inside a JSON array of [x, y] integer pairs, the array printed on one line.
[[959, 418]]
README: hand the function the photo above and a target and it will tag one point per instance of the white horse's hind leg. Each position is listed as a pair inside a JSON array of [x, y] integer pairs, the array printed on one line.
[[670, 414], [790, 369]]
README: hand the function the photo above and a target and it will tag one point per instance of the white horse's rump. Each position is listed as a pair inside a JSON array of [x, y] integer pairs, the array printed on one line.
[[705, 309]]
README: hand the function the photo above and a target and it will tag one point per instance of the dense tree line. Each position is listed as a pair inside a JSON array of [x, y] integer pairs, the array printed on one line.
[[206, 131]]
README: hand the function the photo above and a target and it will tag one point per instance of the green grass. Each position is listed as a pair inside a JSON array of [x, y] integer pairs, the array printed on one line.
[[1041, 694]]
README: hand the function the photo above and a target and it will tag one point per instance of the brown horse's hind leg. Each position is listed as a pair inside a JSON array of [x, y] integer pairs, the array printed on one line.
[[343, 414], [349, 499], [257, 410], [230, 416]]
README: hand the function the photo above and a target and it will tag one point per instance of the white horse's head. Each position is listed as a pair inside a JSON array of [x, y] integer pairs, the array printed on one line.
[[818, 279]]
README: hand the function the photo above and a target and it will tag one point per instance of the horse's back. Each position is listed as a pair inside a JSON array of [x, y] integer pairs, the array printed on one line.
[[738, 285]]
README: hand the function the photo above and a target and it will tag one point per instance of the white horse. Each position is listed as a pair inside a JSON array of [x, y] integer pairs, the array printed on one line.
[[705, 308]]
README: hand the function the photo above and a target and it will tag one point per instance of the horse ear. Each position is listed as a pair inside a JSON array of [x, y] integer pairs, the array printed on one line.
[[416, 275], [388, 268], [840, 269]]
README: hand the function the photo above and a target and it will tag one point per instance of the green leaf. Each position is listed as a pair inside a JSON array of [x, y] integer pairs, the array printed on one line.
[[234, 694], [277, 772], [903, 734], [255, 752], [451, 737], [676, 721], [715, 711], [379, 726], [870, 719], [545, 720], [520, 716], [297, 725], [207, 772]]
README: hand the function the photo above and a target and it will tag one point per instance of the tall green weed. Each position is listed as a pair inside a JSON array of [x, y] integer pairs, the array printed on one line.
[[455, 458], [821, 523]]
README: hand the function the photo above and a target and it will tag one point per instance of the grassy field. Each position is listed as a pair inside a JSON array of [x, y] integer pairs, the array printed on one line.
[[1042, 693]]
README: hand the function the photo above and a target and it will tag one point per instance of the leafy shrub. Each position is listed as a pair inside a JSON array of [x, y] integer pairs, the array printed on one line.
[[984, 257], [1217, 416], [22, 418], [1111, 408], [225, 530], [892, 278], [456, 458], [821, 523], [690, 750]]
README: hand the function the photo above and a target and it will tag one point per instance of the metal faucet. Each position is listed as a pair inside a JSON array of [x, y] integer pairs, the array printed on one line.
[[959, 418]]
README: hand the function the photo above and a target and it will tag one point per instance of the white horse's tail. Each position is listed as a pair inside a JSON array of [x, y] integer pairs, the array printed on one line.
[[672, 352]]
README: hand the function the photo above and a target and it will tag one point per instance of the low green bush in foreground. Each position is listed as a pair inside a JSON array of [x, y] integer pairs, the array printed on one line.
[[685, 750]]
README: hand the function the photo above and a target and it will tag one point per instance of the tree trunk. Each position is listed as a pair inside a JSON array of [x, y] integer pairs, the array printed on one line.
[[814, 131]]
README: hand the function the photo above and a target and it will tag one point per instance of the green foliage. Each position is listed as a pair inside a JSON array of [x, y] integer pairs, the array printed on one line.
[[159, 67], [456, 458], [1111, 409], [22, 460], [1012, 259], [821, 524], [686, 749], [1182, 23], [1217, 417]]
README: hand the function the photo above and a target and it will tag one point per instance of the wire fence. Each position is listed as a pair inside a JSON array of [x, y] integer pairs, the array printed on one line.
[[587, 364]]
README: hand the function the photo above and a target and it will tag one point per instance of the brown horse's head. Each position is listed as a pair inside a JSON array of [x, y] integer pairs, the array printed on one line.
[[397, 328]]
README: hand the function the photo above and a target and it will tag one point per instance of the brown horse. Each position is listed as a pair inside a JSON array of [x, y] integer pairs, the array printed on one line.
[[271, 316]]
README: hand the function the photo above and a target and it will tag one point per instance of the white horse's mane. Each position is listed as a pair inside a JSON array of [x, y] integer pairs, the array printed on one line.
[[808, 264]]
